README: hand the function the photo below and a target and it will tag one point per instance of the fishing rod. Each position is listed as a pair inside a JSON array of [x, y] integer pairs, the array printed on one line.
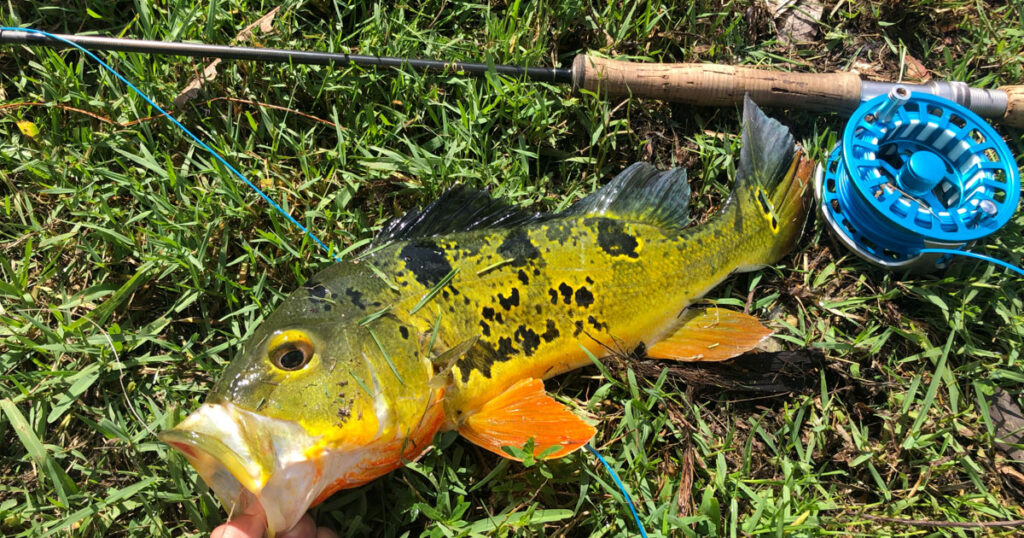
[[689, 83]]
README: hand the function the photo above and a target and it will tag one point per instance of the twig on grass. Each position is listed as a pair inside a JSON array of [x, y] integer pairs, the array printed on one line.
[[945, 524]]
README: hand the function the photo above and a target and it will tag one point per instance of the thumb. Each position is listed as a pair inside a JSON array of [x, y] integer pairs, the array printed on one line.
[[250, 524]]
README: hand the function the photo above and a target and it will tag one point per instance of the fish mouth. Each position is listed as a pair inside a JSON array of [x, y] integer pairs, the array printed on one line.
[[249, 458]]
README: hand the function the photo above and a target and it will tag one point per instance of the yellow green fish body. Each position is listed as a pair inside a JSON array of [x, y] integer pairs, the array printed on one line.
[[460, 312]]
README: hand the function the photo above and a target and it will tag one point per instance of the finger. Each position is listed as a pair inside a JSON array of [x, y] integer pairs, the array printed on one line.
[[324, 532], [243, 526], [250, 524], [305, 528]]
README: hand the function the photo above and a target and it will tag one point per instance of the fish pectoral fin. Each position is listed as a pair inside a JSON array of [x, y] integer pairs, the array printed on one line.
[[522, 412], [711, 334], [446, 360]]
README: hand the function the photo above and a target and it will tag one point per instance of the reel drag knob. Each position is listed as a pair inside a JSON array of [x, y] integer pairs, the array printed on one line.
[[913, 172]]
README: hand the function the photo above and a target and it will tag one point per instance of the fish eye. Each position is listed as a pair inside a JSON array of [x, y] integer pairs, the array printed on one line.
[[290, 351]]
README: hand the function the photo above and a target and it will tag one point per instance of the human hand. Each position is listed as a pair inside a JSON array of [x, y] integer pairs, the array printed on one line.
[[253, 524]]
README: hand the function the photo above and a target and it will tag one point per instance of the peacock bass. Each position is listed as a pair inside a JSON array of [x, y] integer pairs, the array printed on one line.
[[459, 311]]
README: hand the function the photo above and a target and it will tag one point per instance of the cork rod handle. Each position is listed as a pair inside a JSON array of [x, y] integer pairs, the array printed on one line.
[[1014, 116], [718, 85]]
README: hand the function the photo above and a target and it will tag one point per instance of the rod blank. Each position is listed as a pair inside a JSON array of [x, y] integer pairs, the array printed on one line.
[[202, 50]]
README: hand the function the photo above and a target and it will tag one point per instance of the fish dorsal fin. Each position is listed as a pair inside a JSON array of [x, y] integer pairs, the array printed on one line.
[[459, 209], [523, 412], [641, 193], [767, 148], [711, 334]]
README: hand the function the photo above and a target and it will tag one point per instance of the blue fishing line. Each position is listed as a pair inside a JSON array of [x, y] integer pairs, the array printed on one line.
[[975, 255], [185, 129], [281, 210], [622, 488]]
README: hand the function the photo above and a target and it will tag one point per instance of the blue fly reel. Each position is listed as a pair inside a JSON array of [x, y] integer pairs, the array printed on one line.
[[912, 172]]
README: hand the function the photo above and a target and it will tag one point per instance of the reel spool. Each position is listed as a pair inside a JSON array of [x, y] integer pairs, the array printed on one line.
[[912, 172]]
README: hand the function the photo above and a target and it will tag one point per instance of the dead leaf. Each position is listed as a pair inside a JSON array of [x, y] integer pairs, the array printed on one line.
[[756, 372], [1008, 427], [796, 20], [867, 70], [28, 128], [915, 70], [1008, 422], [191, 91]]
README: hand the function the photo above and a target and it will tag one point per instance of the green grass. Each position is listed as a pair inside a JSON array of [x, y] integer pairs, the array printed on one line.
[[131, 267]]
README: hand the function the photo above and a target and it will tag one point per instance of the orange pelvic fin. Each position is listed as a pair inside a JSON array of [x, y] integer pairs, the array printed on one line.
[[712, 334], [522, 412]]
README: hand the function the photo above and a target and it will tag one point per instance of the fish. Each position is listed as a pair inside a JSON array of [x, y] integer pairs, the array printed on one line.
[[458, 312]]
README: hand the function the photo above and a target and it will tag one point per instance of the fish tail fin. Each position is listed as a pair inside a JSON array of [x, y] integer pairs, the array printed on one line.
[[771, 193]]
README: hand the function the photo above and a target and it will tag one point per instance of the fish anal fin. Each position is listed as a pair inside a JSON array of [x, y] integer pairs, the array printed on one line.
[[522, 412], [712, 334]]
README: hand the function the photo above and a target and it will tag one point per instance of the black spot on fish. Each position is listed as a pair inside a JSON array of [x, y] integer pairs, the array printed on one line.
[[528, 338], [485, 328], [319, 296], [426, 261], [536, 271], [479, 358], [488, 313], [483, 355], [579, 328], [613, 239], [512, 300], [403, 331], [583, 297], [455, 291], [505, 349], [554, 295], [445, 295], [551, 333], [566, 292], [589, 280], [537, 308], [597, 324], [356, 297], [465, 300], [318, 290], [518, 248], [558, 232], [498, 319], [523, 278]]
